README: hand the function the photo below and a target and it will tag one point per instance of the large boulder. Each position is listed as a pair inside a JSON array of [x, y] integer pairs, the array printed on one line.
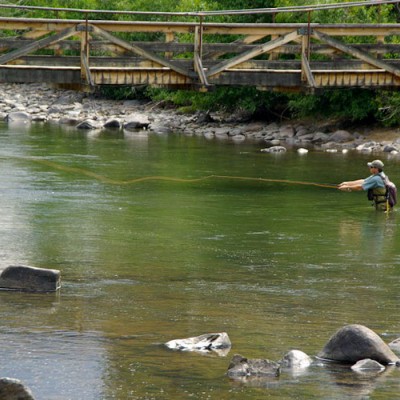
[[240, 367], [25, 278], [357, 342], [13, 389]]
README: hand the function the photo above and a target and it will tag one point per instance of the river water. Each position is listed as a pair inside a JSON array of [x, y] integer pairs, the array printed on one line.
[[278, 266]]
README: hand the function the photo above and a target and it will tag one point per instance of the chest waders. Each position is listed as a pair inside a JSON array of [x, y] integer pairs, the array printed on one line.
[[379, 197]]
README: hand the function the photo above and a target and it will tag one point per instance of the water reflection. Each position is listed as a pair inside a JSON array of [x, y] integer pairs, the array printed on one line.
[[355, 385], [372, 233]]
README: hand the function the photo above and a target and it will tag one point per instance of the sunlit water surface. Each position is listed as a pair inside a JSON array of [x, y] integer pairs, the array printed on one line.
[[277, 266]]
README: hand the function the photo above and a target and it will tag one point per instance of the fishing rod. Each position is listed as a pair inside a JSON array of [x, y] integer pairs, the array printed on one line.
[[133, 181]]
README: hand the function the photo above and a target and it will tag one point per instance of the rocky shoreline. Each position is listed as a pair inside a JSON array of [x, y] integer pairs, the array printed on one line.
[[38, 103]]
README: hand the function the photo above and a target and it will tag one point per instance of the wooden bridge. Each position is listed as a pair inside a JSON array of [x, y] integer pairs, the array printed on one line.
[[88, 52]]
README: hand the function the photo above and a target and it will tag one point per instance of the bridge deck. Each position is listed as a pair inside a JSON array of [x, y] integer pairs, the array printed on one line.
[[197, 54]]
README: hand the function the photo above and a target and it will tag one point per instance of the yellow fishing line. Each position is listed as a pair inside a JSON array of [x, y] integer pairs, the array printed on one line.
[[105, 179]]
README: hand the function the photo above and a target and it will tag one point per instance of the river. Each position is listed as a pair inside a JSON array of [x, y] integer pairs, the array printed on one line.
[[276, 265]]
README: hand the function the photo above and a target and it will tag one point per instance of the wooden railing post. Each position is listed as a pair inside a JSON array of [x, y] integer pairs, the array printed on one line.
[[306, 73], [197, 54], [85, 68]]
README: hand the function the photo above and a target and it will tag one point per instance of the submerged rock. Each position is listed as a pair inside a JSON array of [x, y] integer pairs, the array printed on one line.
[[240, 367], [357, 342], [367, 365], [274, 149]]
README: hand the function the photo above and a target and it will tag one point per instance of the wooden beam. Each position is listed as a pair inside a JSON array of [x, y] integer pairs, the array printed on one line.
[[261, 49], [233, 46], [198, 64], [356, 53], [306, 70], [142, 52], [40, 44], [34, 34], [86, 69]]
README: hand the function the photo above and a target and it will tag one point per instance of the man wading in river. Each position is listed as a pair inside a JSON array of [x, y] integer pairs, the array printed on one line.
[[374, 185]]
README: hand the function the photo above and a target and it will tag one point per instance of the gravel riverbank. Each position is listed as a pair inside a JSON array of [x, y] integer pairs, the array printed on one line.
[[38, 103]]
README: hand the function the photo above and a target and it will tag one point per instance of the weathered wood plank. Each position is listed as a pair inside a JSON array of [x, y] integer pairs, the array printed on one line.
[[307, 70], [357, 53], [40, 44], [261, 49], [86, 70], [142, 52]]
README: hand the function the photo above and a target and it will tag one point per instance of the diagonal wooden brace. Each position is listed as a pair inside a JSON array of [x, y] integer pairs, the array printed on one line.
[[356, 53], [37, 45], [305, 66], [261, 49], [141, 52]]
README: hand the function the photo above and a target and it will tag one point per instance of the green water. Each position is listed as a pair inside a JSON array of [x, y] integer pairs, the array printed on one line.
[[277, 266]]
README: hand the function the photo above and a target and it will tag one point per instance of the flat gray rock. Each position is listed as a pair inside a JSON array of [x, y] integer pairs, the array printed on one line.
[[25, 278], [207, 342]]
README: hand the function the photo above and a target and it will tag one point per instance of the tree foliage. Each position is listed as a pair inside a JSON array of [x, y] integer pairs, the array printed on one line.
[[354, 105]]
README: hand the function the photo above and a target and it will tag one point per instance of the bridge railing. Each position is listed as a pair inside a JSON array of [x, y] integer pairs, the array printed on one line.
[[197, 53]]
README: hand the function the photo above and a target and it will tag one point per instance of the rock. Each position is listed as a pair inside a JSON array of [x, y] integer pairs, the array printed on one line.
[[244, 367], [238, 138], [39, 118], [136, 121], [68, 121], [162, 128], [285, 132], [204, 117], [87, 124], [395, 345], [320, 137], [356, 342], [19, 116], [340, 136], [367, 365], [25, 278], [113, 123], [390, 148], [13, 389], [274, 149], [206, 342], [301, 150], [296, 359]]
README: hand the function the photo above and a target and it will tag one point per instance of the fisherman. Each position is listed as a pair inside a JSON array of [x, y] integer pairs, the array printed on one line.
[[374, 185]]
